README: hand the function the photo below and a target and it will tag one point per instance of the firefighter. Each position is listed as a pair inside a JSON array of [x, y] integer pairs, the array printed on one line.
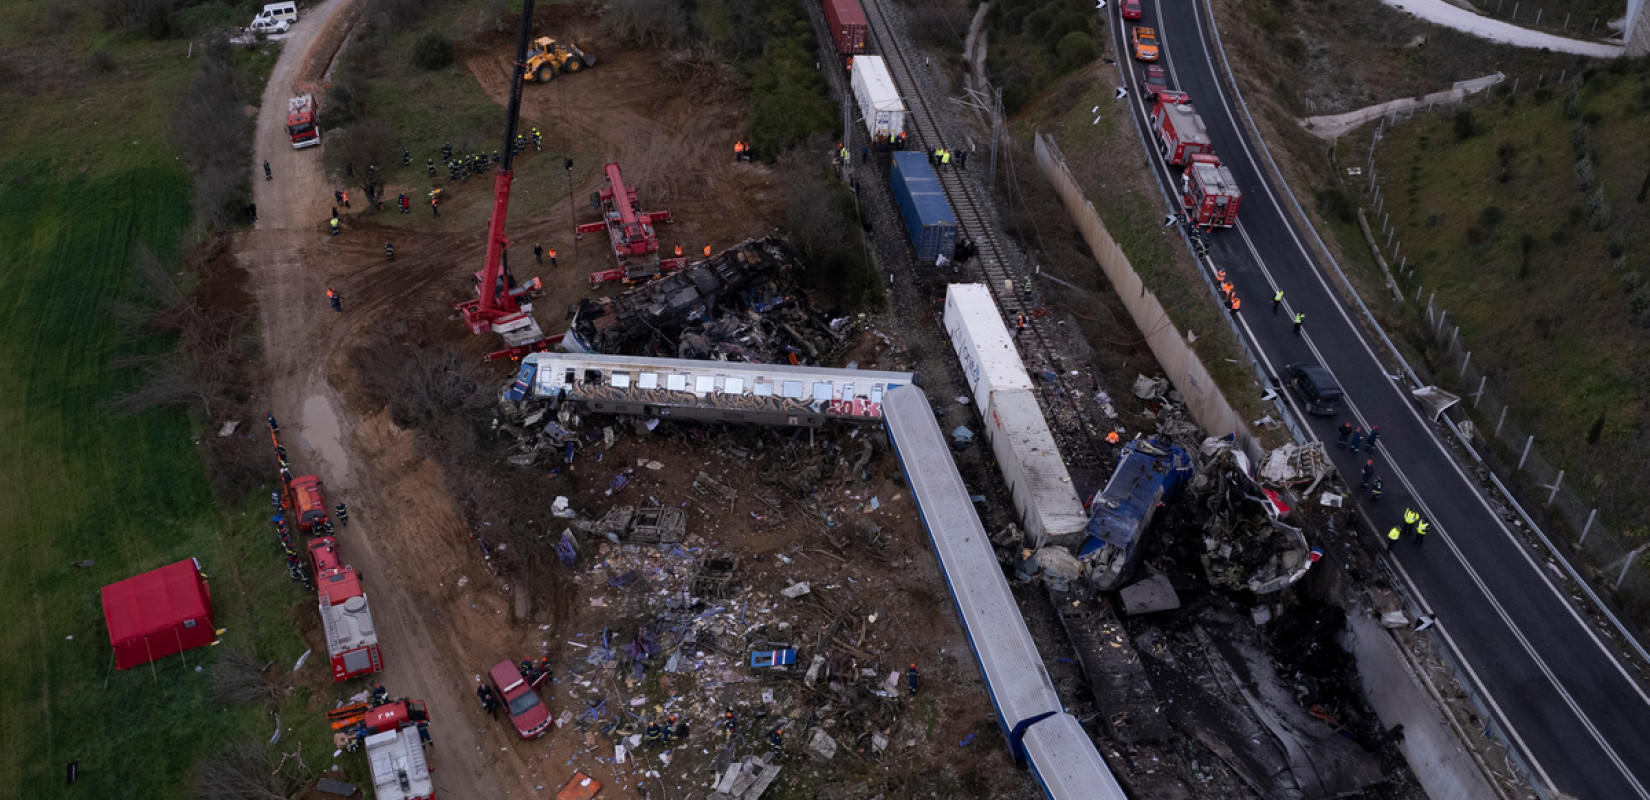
[[728, 723], [776, 740], [389, 251], [538, 139], [380, 695], [1357, 438], [267, 175], [911, 678], [336, 300], [669, 728], [435, 205], [538, 253], [1392, 538], [275, 500], [707, 251], [496, 159], [274, 427], [1300, 317], [1420, 533], [334, 223], [552, 258], [654, 735], [1345, 434], [681, 731], [429, 166], [678, 251], [406, 157], [1027, 288], [489, 703], [1277, 301], [1369, 472], [1374, 433], [1113, 437], [343, 514], [326, 525], [447, 151], [1375, 490]]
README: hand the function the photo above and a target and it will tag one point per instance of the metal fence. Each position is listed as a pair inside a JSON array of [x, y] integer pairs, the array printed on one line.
[[1615, 559]]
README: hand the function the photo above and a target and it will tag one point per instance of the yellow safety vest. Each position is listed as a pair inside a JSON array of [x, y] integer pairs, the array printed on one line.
[[1394, 533], [1421, 528], [1411, 517]]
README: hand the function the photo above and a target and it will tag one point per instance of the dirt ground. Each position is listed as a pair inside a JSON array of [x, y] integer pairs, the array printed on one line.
[[442, 616]]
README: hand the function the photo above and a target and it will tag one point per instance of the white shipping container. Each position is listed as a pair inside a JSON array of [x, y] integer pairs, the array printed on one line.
[[877, 97], [1044, 497], [990, 361]]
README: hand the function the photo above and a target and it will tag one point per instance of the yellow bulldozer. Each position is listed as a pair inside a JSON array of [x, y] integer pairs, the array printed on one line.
[[549, 57]]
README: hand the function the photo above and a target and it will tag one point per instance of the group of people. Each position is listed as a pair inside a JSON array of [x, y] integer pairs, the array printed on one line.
[[942, 157], [296, 567], [1355, 438]]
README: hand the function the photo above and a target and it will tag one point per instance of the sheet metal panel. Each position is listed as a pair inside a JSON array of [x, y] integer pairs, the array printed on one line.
[[1019, 685], [990, 360], [1044, 496], [1066, 764], [922, 205], [877, 97]]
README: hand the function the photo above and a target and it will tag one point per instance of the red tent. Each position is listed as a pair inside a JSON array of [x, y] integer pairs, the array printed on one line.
[[159, 613]]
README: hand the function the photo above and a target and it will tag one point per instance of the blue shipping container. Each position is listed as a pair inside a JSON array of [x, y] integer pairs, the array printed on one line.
[[922, 205]]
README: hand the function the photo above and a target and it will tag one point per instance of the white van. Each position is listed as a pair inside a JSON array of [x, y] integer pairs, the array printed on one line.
[[275, 18]]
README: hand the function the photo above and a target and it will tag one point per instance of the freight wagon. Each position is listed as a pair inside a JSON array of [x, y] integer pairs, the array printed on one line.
[[922, 206], [877, 98], [847, 23]]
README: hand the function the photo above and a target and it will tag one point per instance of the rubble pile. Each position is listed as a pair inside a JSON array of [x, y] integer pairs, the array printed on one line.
[[738, 305]]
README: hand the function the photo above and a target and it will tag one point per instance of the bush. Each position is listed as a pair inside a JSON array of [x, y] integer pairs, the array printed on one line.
[[647, 23], [433, 52], [1491, 216], [1598, 211], [1584, 174], [1465, 127], [1337, 204], [152, 18], [102, 61], [1076, 49], [1572, 103], [1581, 140]]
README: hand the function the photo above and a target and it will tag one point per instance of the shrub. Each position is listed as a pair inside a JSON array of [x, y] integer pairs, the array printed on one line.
[[1581, 139], [1491, 216], [1584, 174], [433, 52], [1337, 204], [102, 61], [1076, 49], [1598, 211], [1572, 103], [1592, 117], [1465, 127]]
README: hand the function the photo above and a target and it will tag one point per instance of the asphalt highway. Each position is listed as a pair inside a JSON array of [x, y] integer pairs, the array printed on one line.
[[1576, 713]]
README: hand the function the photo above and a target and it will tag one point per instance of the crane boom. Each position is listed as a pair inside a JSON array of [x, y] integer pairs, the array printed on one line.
[[496, 306]]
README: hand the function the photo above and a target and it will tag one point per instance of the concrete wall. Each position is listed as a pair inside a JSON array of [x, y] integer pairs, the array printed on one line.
[[1204, 401], [1636, 30], [1430, 745]]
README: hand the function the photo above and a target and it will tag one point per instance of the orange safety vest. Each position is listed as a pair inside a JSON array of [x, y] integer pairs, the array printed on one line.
[[552, 252], [678, 251], [1236, 302], [331, 294], [707, 251]]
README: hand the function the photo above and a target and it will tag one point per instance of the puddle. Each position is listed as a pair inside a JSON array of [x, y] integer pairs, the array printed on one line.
[[320, 433]]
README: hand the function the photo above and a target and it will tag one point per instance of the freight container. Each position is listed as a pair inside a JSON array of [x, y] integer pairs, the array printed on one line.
[[1044, 498], [847, 23], [922, 206], [990, 361], [877, 98]]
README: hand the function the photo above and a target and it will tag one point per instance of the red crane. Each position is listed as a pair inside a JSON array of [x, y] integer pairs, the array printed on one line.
[[635, 245], [502, 305]]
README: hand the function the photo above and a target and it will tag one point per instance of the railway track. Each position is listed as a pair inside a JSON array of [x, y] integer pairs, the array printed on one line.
[[1012, 289]]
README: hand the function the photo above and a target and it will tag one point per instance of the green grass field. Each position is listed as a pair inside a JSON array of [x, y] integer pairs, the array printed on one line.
[[90, 178], [1496, 225]]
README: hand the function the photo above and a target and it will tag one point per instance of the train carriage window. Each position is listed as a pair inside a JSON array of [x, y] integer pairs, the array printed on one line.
[[648, 380], [676, 383], [793, 390], [847, 391], [822, 392], [762, 389], [704, 384], [621, 380], [733, 385], [569, 377], [593, 376], [876, 393]]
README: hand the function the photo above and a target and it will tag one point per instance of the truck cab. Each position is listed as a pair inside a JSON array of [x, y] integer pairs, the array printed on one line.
[[306, 503], [527, 711]]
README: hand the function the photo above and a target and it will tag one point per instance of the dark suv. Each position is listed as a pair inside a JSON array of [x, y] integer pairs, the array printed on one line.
[[1316, 386]]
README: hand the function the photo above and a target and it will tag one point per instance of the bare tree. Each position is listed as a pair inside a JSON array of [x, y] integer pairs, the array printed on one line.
[[240, 677], [211, 129], [647, 23], [813, 211], [246, 769]]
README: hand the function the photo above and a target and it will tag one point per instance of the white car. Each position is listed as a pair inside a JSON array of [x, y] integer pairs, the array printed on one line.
[[268, 26]]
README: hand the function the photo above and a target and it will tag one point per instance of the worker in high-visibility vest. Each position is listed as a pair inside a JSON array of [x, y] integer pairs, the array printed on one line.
[[707, 251], [1420, 533], [678, 251], [1410, 518], [1392, 538]]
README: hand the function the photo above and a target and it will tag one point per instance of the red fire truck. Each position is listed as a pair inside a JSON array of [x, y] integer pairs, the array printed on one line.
[[352, 641], [303, 121], [1179, 130], [1210, 193]]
